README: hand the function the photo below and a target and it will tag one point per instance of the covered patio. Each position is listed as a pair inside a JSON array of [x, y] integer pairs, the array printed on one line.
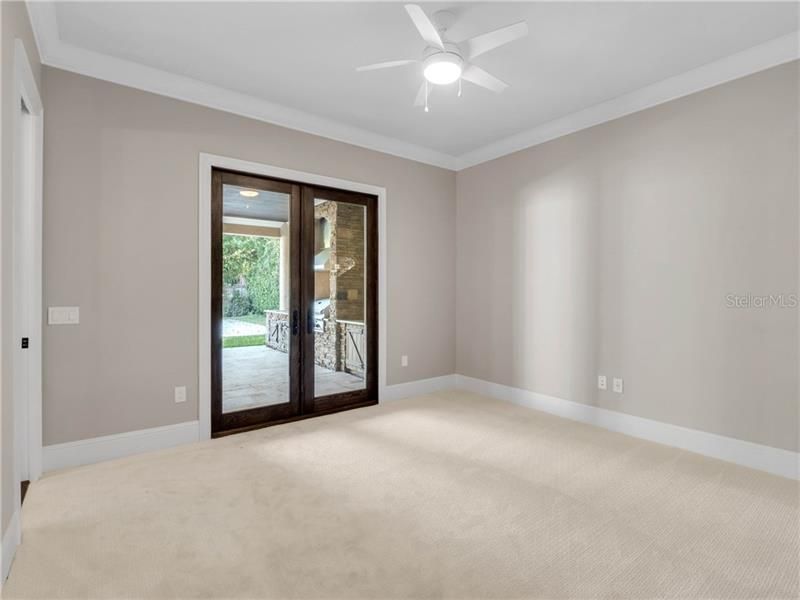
[[259, 376]]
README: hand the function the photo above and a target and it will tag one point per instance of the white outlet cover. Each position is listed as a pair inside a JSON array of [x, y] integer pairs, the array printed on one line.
[[180, 394], [602, 382], [404, 361], [618, 386]]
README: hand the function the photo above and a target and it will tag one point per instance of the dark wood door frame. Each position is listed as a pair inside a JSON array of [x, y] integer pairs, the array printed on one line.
[[332, 403], [222, 422], [302, 403]]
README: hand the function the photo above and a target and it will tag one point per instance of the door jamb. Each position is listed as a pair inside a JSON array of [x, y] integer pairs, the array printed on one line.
[[206, 163], [27, 187], [26, 190]]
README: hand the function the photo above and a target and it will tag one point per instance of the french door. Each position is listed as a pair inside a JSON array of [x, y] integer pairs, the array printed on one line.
[[293, 301]]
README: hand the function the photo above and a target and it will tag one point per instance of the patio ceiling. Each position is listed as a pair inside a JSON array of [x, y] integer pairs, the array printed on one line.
[[266, 206]]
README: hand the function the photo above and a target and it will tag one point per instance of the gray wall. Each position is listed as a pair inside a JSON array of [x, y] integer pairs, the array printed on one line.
[[612, 251], [15, 25], [120, 231]]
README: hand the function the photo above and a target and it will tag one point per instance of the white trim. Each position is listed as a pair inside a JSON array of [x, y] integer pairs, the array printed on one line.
[[57, 53], [25, 89], [771, 54], [206, 163], [120, 445], [756, 456], [108, 447], [26, 309], [421, 387], [252, 222], [11, 539]]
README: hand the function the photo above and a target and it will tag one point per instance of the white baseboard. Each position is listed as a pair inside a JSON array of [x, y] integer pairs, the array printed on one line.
[[756, 456], [94, 450], [765, 458], [11, 539], [84, 452], [420, 387]]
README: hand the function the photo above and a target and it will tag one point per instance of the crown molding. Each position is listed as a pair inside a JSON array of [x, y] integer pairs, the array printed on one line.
[[56, 53], [758, 58]]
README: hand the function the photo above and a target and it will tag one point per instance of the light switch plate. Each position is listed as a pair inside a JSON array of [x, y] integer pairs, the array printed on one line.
[[602, 382], [617, 385], [63, 315], [404, 361]]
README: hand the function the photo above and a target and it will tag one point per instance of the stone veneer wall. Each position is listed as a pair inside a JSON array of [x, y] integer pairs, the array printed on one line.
[[350, 245], [346, 291], [327, 352], [278, 330], [327, 210], [326, 343]]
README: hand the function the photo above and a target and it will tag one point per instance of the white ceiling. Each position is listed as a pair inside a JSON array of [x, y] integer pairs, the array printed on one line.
[[299, 60]]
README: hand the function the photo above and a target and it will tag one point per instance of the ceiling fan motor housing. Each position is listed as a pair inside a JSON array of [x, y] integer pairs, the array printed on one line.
[[449, 48]]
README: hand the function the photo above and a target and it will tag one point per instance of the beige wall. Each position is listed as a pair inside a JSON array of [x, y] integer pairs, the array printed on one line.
[[612, 251], [120, 233], [608, 251], [15, 25]]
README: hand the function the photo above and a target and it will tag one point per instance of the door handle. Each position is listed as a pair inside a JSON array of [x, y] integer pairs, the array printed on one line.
[[310, 322], [295, 322]]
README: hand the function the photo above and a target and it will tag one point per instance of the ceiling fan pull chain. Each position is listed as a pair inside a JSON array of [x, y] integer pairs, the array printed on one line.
[[426, 96]]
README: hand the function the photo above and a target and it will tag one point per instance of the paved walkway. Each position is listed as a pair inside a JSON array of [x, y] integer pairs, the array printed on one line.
[[233, 327], [259, 376]]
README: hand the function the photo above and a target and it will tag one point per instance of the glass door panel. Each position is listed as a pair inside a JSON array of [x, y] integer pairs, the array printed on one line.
[[256, 305], [339, 318], [293, 301]]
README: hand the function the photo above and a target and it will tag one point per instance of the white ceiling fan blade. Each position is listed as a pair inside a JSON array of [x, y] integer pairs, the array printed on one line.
[[420, 99], [387, 65], [423, 24], [480, 77], [489, 41]]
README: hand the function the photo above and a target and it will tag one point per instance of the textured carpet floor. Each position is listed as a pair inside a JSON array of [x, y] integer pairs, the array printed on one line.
[[449, 495]]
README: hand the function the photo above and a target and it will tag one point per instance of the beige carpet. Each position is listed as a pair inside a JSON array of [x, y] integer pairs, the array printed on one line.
[[450, 495]]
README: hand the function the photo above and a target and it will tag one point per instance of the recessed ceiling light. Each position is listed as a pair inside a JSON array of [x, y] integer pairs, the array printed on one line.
[[443, 68], [248, 193]]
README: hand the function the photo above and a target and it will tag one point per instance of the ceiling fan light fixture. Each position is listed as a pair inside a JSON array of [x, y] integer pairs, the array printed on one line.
[[442, 68]]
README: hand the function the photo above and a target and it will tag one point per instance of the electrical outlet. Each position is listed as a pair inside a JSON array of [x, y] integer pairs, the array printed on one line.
[[180, 394], [602, 382], [617, 385], [404, 361]]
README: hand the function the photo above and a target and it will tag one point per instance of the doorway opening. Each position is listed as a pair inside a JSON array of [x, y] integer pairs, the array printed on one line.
[[293, 301]]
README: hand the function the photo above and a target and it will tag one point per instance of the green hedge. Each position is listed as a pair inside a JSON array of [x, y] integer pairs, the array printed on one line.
[[254, 261]]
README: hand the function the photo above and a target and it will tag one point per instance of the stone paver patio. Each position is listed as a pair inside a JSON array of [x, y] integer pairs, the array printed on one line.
[[259, 376]]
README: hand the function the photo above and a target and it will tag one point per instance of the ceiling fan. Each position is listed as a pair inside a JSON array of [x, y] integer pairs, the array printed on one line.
[[445, 62]]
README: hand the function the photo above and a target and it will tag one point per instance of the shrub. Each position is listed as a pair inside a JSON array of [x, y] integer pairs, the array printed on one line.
[[238, 305], [253, 261]]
